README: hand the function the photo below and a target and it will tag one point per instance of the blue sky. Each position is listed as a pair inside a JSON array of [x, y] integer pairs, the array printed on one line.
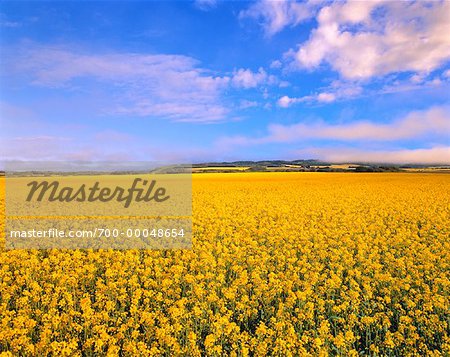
[[220, 80]]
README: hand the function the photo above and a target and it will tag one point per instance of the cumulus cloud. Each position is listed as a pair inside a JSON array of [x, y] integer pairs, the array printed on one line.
[[168, 86], [324, 97], [363, 39], [336, 91], [276, 64], [274, 16], [285, 101], [433, 122], [246, 78]]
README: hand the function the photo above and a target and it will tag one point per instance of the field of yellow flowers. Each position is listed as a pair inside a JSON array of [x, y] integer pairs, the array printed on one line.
[[283, 264]]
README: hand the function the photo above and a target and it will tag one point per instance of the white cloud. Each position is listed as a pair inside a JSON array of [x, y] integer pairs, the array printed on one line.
[[439, 155], [245, 78], [414, 84], [363, 39], [418, 78], [172, 87], [326, 97], [433, 122], [286, 101], [276, 15], [168, 86], [276, 64], [336, 91]]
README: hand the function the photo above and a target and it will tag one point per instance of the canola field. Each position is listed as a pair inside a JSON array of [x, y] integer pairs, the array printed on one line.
[[283, 264]]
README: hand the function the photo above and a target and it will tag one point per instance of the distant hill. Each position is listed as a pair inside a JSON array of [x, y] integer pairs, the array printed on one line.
[[310, 165]]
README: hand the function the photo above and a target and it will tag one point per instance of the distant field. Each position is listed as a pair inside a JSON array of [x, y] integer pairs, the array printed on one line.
[[220, 168], [342, 166], [429, 169], [282, 264]]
